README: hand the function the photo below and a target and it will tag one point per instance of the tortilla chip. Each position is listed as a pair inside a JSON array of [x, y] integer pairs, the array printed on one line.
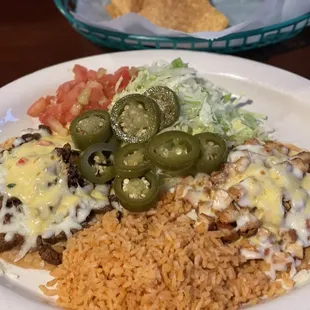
[[137, 5], [185, 15], [182, 15], [113, 10], [7, 144], [211, 20], [29, 261], [120, 7]]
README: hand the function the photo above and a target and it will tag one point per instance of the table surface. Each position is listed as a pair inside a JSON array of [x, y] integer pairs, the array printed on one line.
[[35, 35]]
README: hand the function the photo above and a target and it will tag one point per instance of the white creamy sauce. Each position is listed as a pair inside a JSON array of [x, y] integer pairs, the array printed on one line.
[[245, 219], [302, 277], [297, 221], [221, 200]]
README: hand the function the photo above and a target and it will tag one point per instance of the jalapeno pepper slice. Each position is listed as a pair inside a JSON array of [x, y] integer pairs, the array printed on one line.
[[137, 194], [89, 128], [114, 143], [135, 118], [173, 150], [183, 172], [130, 161], [213, 152], [96, 165], [168, 103]]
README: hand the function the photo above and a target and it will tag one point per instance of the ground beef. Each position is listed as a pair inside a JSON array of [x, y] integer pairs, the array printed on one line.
[[62, 236], [70, 157], [64, 152], [13, 202], [113, 198], [46, 128], [105, 209], [7, 219], [48, 254], [9, 245], [28, 137], [74, 177], [119, 216], [56, 238]]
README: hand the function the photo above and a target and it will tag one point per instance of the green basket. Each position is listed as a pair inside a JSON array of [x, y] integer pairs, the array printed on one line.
[[232, 43]]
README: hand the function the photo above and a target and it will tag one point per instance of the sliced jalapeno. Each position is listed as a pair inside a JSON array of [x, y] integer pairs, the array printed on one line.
[[96, 164], [183, 172], [173, 150], [114, 143], [137, 194], [213, 152], [135, 118], [168, 103], [131, 162], [90, 127]]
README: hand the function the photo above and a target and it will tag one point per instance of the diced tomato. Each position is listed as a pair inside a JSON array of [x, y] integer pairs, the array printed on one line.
[[80, 73], [50, 99], [63, 89], [22, 161], [44, 143], [108, 82], [59, 110], [105, 105], [69, 118], [124, 74], [54, 124], [100, 105], [75, 91], [133, 72], [54, 110], [92, 75], [96, 95], [37, 107], [66, 105], [101, 72], [74, 111]]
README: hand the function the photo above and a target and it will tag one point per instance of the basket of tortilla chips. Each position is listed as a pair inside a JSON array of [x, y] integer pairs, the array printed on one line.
[[174, 24]]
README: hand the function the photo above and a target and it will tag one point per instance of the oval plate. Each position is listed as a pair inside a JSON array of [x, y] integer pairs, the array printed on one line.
[[281, 95]]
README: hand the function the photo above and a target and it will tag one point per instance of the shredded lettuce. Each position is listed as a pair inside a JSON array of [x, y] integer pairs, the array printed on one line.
[[178, 63], [203, 106]]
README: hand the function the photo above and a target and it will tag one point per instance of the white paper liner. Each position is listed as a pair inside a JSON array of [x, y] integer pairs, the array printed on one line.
[[242, 14]]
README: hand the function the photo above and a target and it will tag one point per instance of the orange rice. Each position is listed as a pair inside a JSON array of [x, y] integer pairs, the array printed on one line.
[[157, 260]]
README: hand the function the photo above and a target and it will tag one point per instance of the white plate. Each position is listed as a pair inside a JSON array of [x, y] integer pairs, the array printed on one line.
[[283, 96]]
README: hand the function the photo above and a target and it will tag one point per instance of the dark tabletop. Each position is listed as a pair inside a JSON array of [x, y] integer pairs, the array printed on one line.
[[35, 35]]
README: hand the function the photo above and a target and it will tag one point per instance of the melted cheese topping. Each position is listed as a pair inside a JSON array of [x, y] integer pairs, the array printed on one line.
[[264, 190], [268, 181], [260, 188], [37, 176]]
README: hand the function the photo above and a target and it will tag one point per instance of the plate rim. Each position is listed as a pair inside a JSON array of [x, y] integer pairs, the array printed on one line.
[[252, 62]]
